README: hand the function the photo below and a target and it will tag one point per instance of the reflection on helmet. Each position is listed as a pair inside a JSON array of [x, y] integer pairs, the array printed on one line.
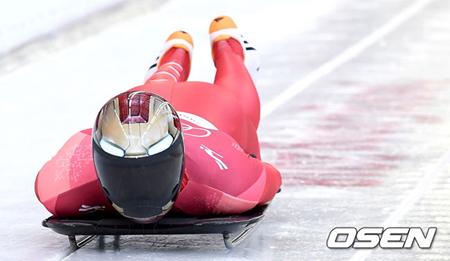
[[132, 123], [139, 154]]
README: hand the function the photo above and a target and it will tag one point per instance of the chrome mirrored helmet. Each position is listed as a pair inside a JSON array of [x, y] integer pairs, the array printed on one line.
[[139, 154]]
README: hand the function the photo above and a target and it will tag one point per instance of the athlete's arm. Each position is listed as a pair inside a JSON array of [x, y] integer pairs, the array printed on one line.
[[67, 184], [273, 183]]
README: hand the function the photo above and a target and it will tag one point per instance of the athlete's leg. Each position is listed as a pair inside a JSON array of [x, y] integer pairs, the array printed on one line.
[[174, 62], [229, 54]]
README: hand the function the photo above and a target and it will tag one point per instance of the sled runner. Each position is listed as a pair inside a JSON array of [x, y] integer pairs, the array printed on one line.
[[95, 224]]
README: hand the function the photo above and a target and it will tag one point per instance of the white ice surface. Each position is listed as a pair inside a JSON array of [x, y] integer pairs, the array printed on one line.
[[325, 134], [47, 101], [24, 20]]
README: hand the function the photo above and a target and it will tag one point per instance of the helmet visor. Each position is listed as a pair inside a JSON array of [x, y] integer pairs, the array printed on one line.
[[141, 188]]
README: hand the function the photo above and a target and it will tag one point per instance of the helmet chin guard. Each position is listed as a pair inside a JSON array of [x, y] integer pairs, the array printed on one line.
[[139, 154]]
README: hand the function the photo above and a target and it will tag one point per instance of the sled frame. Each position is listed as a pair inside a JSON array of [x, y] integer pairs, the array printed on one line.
[[94, 225]]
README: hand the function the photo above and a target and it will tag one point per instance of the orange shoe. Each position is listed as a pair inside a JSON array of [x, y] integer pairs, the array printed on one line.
[[178, 39], [223, 28]]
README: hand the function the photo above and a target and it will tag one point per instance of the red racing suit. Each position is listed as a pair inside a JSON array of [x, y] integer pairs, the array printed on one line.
[[219, 128]]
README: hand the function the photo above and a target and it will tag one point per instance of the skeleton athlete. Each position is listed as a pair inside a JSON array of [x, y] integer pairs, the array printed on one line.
[[170, 145]]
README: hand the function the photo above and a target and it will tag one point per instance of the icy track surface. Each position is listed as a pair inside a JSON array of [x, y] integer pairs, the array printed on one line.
[[24, 20], [355, 113]]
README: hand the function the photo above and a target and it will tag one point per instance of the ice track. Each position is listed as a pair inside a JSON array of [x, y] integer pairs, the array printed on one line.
[[355, 113]]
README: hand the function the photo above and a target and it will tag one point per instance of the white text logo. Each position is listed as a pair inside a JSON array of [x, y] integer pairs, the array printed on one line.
[[85, 208], [195, 132], [371, 237], [215, 156]]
